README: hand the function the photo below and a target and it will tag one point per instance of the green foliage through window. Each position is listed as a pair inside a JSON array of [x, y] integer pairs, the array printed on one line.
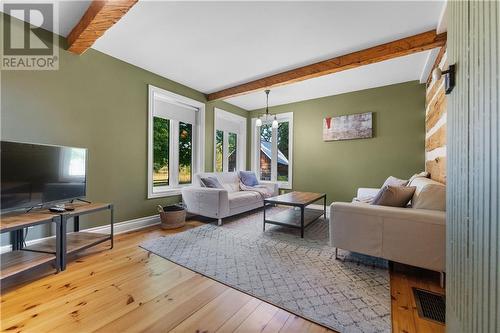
[[219, 150], [185, 152], [161, 132]]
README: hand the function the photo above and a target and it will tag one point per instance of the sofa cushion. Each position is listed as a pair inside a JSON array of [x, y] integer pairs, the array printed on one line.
[[243, 198], [394, 196], [211, 182], [429, 194], [248, 178]]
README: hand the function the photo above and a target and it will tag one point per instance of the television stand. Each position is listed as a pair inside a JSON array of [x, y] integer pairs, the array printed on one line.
[[52, 249], [77, 240], [18, 260]]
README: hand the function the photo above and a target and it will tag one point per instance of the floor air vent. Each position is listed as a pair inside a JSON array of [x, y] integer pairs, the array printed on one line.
[[430, 305]]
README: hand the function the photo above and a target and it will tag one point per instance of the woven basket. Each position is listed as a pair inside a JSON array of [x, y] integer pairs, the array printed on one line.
[[172, 217]]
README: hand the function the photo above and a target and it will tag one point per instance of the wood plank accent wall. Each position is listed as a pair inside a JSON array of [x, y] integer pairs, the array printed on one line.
[[473, 197], [435, 125]]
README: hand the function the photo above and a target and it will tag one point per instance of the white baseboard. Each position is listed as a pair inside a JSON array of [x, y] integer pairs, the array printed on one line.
[[126, 226], [119, 228]]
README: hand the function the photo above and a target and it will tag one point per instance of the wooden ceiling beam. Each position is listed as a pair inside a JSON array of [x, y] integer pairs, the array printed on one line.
[[398, 48], [99, 17]]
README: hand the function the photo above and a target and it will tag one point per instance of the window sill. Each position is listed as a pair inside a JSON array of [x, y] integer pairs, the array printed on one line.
[[166, 193], [281, 185], [285, 186]]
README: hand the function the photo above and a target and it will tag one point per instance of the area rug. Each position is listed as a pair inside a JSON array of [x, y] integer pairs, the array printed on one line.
[[277, 266]]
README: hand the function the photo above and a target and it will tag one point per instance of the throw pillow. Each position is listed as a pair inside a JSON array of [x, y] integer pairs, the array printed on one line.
[[424, 174], [394, 196], [211, 182], [429, 194], [248, 178], [393, 181]]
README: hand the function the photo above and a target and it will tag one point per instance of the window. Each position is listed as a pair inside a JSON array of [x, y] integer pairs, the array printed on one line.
[[283, 151], [232, 152], [185, 152], [230, 142], [175, 148], [219, 150], [266, 151], [161, 152], [273, 158]]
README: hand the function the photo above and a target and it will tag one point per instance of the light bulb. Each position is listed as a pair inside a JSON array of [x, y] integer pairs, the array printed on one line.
[[436, 74], [275, 123], [258, 122]]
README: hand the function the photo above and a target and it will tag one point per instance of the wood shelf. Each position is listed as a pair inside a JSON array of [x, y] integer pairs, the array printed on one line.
[[76, 241], [291, 217], [18, 261]]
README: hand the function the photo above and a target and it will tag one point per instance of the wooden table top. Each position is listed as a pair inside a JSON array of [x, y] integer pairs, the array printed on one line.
[[296, 198], [18, 220], [83, 207], [12, 221]]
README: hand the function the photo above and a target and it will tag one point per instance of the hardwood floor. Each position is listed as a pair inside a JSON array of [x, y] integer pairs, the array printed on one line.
[[126, 289], [405, 318]]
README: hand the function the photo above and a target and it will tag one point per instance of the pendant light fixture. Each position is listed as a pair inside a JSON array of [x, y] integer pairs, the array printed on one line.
[[266, 116]]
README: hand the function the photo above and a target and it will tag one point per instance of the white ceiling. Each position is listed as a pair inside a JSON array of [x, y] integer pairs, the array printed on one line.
[[70, 12], [209, 46]]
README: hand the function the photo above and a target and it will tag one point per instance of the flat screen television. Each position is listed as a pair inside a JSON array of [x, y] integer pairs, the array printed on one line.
[[36, 174]]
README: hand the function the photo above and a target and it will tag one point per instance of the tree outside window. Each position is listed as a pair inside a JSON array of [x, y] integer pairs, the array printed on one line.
[[161, 132], [185, 152]]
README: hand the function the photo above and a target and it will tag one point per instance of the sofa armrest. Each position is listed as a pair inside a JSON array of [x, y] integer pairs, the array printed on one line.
[[210, 202], [272, 187], [364, 192]]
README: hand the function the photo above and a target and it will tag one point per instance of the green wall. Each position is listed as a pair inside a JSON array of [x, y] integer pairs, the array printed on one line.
[[338, 168], [101, 103]]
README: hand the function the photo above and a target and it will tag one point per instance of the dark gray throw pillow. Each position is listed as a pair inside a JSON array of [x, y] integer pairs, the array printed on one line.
[[394, 196], [211, 182]]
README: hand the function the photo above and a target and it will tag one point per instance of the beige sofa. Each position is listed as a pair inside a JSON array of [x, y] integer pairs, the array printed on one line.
[[413, 236], [220, 203]]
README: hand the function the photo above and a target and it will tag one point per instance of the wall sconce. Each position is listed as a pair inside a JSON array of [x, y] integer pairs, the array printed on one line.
[[449, 80]]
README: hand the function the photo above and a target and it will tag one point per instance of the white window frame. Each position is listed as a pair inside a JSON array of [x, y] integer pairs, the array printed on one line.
[[234, 124], [255, 156], [198, 163]]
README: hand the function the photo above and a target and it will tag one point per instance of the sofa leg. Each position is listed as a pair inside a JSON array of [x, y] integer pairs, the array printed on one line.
[[336, 254], [219, 222], [441, 279]]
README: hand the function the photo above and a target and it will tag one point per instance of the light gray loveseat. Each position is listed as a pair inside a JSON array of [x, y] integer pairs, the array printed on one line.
[[221, 203], [413, 236]]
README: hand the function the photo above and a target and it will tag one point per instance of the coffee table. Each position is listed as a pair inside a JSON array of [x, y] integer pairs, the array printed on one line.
[[299, 219]]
